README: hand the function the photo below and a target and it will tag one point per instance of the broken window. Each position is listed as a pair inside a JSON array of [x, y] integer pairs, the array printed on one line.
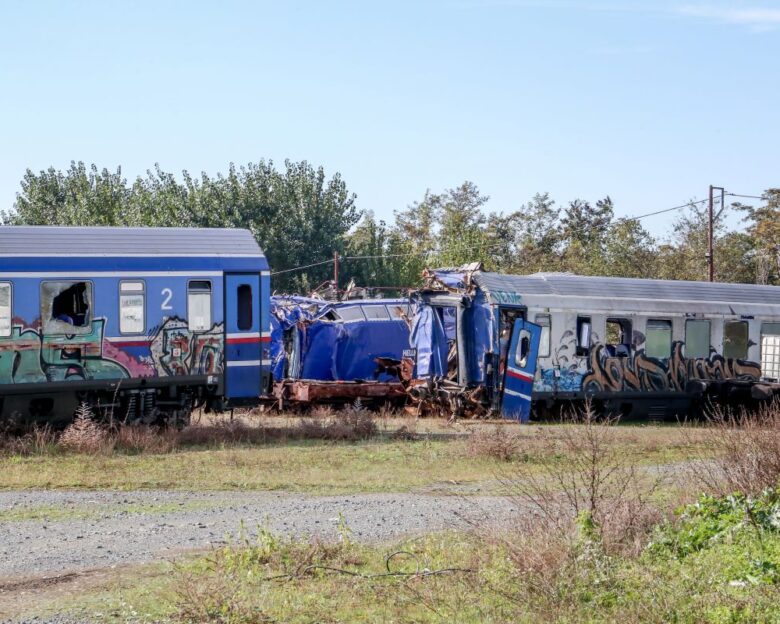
[[658, 339], [735, 339], [544, 321], [244, 307], [131, 308], [584, 334], [66, 307], [697, 339], [6, 317], [199, 305], [398, 311], [619, 337], [376, 313], [770, 350]]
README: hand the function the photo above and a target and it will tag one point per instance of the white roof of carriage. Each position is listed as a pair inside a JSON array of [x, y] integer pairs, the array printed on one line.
[[46, 241], [498, 286]]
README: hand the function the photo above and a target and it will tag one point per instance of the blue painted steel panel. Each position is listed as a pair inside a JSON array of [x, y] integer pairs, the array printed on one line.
[[243, 345], [520, 371]]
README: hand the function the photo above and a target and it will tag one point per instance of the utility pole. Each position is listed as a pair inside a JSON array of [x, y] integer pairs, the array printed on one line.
[[336, 273], [711, 228]]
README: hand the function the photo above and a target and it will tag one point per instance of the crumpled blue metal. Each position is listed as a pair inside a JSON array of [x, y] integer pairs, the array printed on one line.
[[328, 348], [429, 338]]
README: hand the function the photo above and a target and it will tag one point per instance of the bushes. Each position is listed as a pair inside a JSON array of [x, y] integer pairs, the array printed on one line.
[[746, 449], [87, 435]]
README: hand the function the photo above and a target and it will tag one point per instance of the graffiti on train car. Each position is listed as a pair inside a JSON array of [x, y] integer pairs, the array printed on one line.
[[178, 351], [28, 356], [639, 372]]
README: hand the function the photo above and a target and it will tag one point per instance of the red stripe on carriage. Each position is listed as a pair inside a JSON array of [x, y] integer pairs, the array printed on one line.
[[519, 374]]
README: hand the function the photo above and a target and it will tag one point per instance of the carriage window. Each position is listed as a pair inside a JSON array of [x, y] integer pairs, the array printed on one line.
[[584, 328], [697, 339], [351, 313], [619, 337], [5, 310], [770, 350], [131, 307], [376, 313], [735, 339], [66, 307], [199, 305], [398, 311], [543, 321], [244, 307], [658, 341], [523, 349]]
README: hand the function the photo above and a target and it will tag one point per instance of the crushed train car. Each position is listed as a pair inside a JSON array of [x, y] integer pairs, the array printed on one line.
[[633, 346], [337, 351]]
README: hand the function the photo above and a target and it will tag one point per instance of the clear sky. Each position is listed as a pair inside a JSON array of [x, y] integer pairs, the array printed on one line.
[[649, 101]]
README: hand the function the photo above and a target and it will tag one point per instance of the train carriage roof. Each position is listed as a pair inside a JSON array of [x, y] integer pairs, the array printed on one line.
[[501, 287], [83, 242]]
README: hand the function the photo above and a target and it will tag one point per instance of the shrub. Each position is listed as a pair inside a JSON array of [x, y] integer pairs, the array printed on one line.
[[84, 434], [498, 442], [746, 449]]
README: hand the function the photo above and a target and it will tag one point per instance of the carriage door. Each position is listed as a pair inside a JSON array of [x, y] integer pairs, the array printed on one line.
[[520, 371], [242, 335]]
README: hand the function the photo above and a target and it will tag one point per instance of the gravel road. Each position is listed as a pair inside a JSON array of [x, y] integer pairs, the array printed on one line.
[[72, 531]]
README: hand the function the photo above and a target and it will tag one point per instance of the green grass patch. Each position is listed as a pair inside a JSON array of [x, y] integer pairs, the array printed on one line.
[[441, 463], [713, 565]]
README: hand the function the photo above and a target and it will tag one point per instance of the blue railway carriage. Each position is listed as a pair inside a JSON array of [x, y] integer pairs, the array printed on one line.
[[143, 324], [636, 347]]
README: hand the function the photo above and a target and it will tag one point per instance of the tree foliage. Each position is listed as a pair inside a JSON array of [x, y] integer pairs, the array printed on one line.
[[300, 217]]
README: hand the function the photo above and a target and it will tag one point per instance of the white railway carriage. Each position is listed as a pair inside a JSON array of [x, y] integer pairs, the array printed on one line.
[[634, 346]]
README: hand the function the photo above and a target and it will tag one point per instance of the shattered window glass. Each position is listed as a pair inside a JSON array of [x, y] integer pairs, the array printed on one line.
[[5, 310], [66, 307], [397, 311], [199, 305], [131, 307], [351, 313], [376, 313]]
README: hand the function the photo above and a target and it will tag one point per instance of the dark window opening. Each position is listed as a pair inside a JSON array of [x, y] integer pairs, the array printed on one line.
[[619, 337], [66, 307], [735, 340], [244, 307]]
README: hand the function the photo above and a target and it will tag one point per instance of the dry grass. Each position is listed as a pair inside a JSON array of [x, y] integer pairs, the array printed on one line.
[[746, 451], [498, 442]]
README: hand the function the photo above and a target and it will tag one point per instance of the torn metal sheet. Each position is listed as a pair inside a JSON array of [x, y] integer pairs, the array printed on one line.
[[313, 339]]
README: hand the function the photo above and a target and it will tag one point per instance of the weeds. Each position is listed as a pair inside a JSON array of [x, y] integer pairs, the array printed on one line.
[[746, 447], [499, 443]]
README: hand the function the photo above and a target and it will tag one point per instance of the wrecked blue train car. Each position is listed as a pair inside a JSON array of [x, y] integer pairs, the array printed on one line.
[[632, 346], [337, 351]]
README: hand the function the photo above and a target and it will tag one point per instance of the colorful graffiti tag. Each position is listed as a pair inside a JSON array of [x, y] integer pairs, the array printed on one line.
[[639, 372], [28, 356]]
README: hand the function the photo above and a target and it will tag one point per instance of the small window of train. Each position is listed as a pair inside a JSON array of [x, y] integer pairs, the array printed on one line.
[[658, 341], [244, 307], [735, 339], [544, 321], [199, 305], [397, 312], [697, 339], [131, 308], [376, 313], [6, 316], [619, 337], [770, 350], [66, 307], [523, 348], [351, 313], [584, 336]]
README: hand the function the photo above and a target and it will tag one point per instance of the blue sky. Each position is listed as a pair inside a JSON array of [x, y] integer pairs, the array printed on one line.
[[648, 101]]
